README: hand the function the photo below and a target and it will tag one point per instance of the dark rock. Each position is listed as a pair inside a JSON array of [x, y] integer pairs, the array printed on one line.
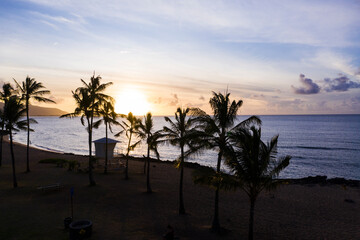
[[349, 201]]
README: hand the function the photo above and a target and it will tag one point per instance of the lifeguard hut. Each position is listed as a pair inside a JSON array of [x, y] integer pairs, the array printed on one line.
[[100, 146]]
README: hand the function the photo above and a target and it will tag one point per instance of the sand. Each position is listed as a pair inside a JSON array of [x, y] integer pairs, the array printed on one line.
[[120, 209]]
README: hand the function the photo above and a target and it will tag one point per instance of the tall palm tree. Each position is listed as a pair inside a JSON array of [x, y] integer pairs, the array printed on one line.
[[181, 132], [13, 113], [88, 99], [146, 133], [108, 115], [254, 163], [30, 89], [5, 94], [216, 128], [130, 127]]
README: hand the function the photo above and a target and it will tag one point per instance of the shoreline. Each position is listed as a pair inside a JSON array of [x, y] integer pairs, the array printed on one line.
[[311, 179], [309, 159]]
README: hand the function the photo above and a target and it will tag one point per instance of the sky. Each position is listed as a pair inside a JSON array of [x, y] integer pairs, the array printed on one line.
[[278, 56]]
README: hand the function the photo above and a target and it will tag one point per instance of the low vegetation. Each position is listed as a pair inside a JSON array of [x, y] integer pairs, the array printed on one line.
[[72, 165]]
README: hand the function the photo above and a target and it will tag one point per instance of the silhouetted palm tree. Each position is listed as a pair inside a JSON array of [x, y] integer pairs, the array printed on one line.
[[5, 94], [146, 133], [13, 112], [130, 127], [30, 89], [181, 132], [108, 115], [254, 163], [216, 128], [88, 99]]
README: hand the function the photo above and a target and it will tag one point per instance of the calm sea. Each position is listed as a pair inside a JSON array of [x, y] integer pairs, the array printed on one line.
[[319, 144]]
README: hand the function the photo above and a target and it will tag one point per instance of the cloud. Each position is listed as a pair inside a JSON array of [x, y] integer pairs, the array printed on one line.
[[258, 96], [357, 72], [340, 84], [355, 100], [303, 22], [309, 87], [158, 100], [175, 101], [56, 99]]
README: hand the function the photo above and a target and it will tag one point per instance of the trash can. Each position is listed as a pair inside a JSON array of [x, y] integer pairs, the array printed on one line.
[[80, 229]]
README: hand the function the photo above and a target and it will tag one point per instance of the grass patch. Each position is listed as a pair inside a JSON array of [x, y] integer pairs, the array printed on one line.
[[71, 164]]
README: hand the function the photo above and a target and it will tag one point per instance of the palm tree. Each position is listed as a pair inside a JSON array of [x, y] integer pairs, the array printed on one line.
[[130, 127], [254, 163], [216, 128], [181, 133], [13, 112], [109, 118], [30, 89], [88, 99], [4, 97], [146, 133]]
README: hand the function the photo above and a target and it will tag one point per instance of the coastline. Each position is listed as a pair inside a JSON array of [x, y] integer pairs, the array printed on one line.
[[309, 159], [311, 179], [121, 209]]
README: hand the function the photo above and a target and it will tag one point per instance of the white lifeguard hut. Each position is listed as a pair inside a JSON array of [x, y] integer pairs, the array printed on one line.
[[100, 147]]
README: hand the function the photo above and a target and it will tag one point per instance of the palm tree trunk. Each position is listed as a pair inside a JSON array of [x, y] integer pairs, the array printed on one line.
[[13, 159], [91, 177], [28, 136], [216, 223], [251, 219], [148, 171], [106, 149], [181, 206], [145, 162], [127, 159], [1, 141]]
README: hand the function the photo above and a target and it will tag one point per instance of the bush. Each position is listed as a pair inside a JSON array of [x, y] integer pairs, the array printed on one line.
[[73, 165], [58, 161]]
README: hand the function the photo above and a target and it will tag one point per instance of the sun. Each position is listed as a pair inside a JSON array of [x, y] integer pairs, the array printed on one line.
[[132, 100]]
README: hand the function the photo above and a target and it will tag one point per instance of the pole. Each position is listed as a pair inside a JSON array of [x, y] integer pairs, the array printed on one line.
[[72, 207]]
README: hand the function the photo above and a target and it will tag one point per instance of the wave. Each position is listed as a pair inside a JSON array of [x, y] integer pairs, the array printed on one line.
[[320, 148], [47, 149]]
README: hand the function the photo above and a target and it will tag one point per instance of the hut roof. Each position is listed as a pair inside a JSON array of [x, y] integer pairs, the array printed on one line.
[[103, 140]]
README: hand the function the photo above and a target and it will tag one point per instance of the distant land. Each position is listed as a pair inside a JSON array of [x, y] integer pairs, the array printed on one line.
[[42, 111]]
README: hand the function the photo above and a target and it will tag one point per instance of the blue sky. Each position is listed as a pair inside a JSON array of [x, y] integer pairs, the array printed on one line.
[[279, 57]]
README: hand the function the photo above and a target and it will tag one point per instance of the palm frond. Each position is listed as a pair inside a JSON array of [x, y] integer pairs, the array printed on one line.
[[96, 124], [208, 176], [119, 133], [42, 99], [252, 161], [133, 146]]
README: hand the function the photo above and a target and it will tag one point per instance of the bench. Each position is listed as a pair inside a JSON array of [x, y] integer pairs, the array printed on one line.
[[55, 186]]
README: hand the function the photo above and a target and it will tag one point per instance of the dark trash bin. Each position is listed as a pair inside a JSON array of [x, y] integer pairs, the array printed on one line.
[[80, 229]]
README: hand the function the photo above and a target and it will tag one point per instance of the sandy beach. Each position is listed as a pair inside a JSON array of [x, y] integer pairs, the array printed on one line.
[[120, 209]]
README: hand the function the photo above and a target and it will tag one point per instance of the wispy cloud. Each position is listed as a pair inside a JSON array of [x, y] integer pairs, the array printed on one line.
[[73, 21], [334, 60], [305, 22], [309, 87]]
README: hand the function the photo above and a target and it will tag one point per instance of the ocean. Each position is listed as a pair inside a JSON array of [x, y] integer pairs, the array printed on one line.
[[319, 144]]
